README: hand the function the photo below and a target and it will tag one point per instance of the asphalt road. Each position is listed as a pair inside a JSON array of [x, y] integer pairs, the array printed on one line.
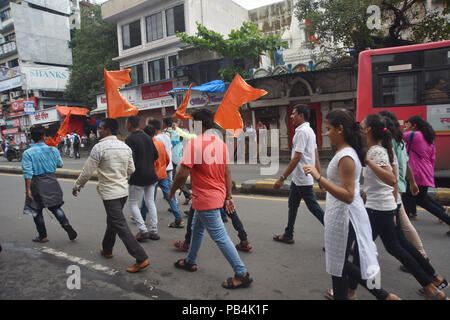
[[281, 272]]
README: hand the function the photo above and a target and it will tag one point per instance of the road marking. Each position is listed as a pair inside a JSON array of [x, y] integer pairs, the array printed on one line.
[[268, 198], [59, 179], [78, 260]]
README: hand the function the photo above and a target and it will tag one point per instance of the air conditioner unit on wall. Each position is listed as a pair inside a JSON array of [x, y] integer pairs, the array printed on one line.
[[4, 97]]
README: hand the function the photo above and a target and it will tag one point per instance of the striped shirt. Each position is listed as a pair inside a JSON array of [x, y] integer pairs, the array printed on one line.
[[40, 159]]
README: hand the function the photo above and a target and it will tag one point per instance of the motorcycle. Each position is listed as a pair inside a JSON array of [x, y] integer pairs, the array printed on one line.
[[13, 152]]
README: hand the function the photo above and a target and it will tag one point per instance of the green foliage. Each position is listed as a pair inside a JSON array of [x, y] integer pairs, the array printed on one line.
[[345, 22], [93, 47], [246, 43]]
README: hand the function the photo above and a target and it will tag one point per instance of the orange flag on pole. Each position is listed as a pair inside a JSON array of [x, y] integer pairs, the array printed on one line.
[[181, 111], [239, 92], [63, 129], [118, 106]]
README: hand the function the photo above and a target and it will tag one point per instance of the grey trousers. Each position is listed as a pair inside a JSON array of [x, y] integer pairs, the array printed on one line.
[[117, 225]]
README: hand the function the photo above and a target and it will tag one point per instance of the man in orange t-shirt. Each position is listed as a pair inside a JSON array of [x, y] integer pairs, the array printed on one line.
[[205, 158], [163, 179]]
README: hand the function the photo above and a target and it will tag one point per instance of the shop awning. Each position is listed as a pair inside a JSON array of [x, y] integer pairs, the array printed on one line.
[[76, 111]]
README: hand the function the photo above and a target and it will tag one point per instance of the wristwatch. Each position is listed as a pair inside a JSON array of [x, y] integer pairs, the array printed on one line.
[[282, 178], [229, 198]]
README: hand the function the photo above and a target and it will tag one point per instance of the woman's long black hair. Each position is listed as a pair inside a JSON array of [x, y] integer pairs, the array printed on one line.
[[352, 130], [393, 126], [424, 127], [380, 133]]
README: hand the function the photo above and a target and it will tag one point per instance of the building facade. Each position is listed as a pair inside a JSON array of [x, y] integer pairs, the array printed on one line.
[[148, 45], [34, 60]]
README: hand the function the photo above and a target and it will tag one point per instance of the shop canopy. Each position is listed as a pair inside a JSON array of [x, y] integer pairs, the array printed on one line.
[[213, 86], [75, 111]]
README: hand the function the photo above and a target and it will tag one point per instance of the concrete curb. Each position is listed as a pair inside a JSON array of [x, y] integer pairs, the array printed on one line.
[[442, 195], [60, 173]]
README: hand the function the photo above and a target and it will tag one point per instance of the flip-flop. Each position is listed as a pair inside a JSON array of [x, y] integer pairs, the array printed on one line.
[[179, 245], [178, 225], [281, 238], [330, 296], [241, 247], [40, 240]]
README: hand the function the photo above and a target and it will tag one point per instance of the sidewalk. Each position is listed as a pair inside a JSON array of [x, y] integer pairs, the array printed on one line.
[[255, 186]]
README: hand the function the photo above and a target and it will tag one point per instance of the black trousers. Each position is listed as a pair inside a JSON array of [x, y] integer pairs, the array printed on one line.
[[425, 201], [116, 225]]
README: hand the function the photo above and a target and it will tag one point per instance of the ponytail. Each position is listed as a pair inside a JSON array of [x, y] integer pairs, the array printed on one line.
[[381, 133]]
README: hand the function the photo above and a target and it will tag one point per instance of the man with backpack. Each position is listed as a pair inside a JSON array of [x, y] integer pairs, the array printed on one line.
[[76, 144]]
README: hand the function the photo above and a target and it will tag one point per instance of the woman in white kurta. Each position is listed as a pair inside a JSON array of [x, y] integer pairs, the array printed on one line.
[[345, 215]]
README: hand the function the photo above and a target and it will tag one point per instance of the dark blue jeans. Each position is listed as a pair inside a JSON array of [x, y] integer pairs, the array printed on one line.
[[40, 223], [296, 195]]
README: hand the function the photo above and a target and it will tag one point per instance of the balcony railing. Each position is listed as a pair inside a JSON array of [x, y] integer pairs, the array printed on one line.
[[7, 48]]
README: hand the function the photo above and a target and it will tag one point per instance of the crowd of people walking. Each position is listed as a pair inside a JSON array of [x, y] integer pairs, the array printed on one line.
[[397, 168]]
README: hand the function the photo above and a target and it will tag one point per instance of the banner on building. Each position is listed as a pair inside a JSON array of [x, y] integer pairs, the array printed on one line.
[[48, 78]]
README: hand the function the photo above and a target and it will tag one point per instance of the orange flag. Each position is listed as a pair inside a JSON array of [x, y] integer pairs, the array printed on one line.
[[118, 106], [63, 129], [239, 92], [181, 111]]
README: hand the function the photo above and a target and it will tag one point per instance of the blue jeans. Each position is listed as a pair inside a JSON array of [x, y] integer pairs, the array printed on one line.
[[40, 224], [296, 195], [165, 185], [212, 221]]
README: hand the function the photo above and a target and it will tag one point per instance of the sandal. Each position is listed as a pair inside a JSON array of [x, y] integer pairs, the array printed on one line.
[[441, 286], [244, 246], [177, 224], [153, 236], [282, 238], [185, 266], [330, 295], [435, 296], [180, 245], [41, 240], [245, 282]]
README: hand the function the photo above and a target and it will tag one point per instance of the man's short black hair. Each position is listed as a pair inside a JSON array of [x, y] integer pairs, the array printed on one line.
[[37, 132], [168, 121], [134, 121], [205, 116], [303, 109], [150, 130], [111, 124], [155, 123]]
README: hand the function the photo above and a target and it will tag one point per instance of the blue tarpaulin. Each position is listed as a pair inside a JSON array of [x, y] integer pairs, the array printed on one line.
[[213, 86]]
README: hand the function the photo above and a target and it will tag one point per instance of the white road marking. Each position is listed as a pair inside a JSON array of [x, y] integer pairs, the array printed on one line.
[[78, 260]]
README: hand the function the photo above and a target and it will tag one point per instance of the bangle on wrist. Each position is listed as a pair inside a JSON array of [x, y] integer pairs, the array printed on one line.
[[318, 180]]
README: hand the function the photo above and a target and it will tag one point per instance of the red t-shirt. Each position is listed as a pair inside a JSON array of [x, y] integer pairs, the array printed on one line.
[[207, 156]]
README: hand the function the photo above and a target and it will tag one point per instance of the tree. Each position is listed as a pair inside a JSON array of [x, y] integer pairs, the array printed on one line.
[[93, 47], [346, 22], [245, 44]]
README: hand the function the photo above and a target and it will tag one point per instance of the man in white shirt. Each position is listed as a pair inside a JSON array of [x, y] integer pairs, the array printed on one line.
[[304, 151], [113, 161]]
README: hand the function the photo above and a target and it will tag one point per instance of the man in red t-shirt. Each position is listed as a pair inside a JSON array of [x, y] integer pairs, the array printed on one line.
[[205, 158]]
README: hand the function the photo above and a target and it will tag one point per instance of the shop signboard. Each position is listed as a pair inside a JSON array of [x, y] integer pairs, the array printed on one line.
[[29, 108], [156, 90], [45, 116], [19, 104]]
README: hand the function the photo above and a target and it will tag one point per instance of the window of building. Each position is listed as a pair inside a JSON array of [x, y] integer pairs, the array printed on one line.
[[131, 35], [154, 26], [136, 75], [10, 37], [173, 62], [13, 63], [175, 20], [157, 70], [5, 14]]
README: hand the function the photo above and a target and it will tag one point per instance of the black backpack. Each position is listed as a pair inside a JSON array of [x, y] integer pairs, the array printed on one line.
[[76, 140]]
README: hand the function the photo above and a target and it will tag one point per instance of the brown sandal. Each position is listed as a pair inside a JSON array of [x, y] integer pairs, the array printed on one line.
[[282, 238], [245, 282], [185, 266]]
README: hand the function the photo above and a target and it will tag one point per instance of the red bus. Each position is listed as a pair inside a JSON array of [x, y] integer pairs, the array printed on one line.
[[409, 80]]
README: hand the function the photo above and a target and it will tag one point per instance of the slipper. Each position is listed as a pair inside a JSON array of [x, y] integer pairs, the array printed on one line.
[[41, 240], [179, 224], [180, 245], [282, 238], [245, 282], [242, 247], [185, 266], [330, 296], [441, 286]]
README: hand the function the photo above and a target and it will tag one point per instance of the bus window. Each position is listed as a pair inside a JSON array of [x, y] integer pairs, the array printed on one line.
[[437, 57], [437, 89], [399, 90]]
